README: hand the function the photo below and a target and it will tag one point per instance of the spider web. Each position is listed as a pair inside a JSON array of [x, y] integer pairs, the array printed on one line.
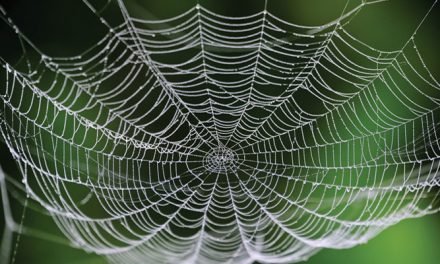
[[206, 138]]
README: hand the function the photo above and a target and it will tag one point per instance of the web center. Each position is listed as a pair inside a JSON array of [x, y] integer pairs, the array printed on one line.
[[221, 160]]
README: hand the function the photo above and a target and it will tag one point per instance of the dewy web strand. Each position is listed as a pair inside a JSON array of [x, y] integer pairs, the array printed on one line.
[[187, 139]]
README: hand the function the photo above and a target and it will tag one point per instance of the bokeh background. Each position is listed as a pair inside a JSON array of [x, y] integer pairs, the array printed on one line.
[[65, 28]]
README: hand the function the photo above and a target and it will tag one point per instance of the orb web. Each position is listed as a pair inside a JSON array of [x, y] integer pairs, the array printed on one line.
[[208, 138]]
